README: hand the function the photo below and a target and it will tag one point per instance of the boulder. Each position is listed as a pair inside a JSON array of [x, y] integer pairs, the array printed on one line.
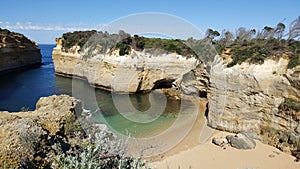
[[219, 141], [241, 141]]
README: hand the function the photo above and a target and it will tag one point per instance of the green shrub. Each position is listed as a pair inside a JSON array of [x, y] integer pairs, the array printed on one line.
[[283, 139], [124, 49], [8, 32], [294, 61], [76, 38], [294, 46], [257, 50], [72, 125], [100, 153], [292, 104], [5, 31], [122, 41]]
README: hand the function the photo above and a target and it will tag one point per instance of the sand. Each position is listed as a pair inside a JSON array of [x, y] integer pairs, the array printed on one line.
[[210, 156], [196, 151]]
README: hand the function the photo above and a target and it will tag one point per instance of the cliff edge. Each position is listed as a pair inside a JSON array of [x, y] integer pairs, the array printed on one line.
[[17, 51]]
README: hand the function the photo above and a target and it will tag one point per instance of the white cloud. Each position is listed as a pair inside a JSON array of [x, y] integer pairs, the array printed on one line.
[[48, 27]]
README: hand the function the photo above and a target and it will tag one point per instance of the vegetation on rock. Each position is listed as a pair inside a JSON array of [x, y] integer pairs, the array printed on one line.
[[290, 107], [123, 42], [251, 45], [255, 46], [76, 38], [286, 141], [7, 32], [15, 40], [97, 152], [291, 104]]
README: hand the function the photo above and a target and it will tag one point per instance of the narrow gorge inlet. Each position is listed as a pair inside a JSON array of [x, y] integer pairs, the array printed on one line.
[[28, 86]]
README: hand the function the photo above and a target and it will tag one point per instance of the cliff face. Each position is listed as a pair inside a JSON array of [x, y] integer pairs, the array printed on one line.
[[255, 98], [17, 51], [34, 136], [133, 72]]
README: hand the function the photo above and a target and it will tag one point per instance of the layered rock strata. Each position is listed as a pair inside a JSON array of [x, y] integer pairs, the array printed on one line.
[[260, 99], [17, 51]]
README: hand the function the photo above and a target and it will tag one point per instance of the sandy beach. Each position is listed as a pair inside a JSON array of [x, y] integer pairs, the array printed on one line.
[[197, 152], [210, 156]]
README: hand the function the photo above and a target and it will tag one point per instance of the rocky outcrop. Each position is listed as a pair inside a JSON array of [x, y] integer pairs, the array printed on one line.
[[134, 72], [259, 99], [17, 51], [33, 138], [195, 82], [241, 141]]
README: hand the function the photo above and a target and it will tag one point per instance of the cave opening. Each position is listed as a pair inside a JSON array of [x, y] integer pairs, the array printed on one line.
[[163, 83], [203, 94], [206, 111]]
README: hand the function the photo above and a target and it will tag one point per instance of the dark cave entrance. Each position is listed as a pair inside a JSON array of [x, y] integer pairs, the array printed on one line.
[[163, 83], [203, 94]]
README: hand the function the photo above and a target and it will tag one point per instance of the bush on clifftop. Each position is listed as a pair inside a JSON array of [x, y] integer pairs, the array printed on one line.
[[247, 45], [124, 42], [76, 38]]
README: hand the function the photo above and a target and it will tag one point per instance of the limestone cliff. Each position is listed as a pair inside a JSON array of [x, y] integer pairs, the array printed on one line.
[[129, 71], [17, 51], [32, 136], [250, 98]]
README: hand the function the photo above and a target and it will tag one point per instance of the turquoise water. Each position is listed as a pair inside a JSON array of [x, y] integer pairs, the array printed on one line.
[[122, 118], [137, 116]]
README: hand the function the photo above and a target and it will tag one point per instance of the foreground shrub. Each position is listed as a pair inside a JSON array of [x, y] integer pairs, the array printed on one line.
[[102, 151]]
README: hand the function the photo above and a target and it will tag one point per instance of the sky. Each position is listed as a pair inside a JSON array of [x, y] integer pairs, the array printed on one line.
[[43, 21]]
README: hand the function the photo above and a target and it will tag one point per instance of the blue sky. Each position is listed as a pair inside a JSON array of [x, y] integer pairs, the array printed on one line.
[[42, 21]]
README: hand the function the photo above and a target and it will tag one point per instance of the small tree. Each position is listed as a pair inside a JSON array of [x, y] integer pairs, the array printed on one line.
[[279, 30], [294, 30], [211, 34], [226, 39], [267, 32], [242, 34]]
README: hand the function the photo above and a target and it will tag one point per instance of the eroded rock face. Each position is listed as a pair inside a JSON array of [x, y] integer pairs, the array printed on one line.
[[247, 97], [135, 72], [195, 82], [33, 136], [255, 98], [17, 51]]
